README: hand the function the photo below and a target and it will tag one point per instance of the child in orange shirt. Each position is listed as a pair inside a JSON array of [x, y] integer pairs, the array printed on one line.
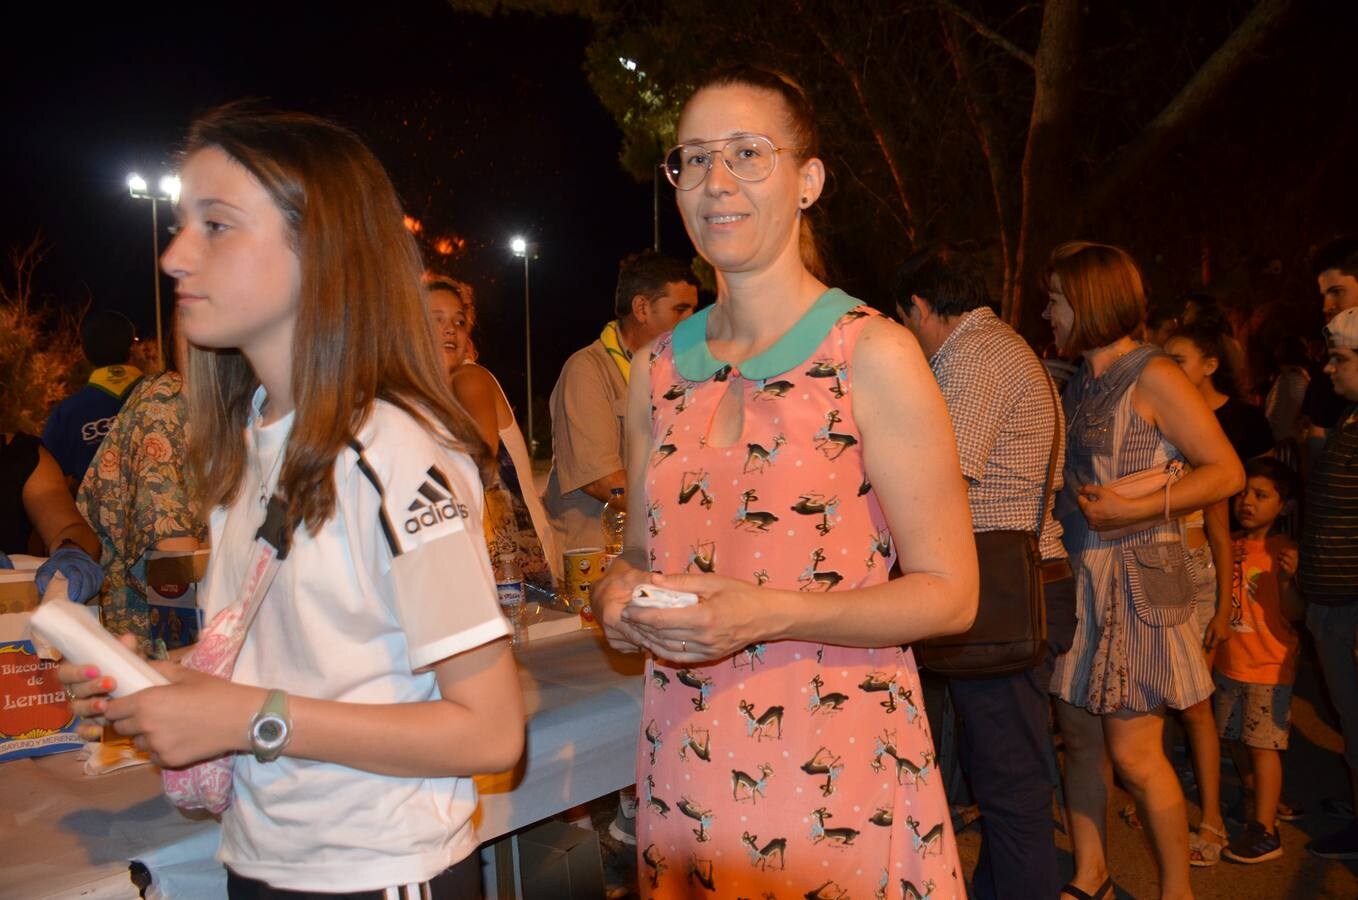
[[1256, 666]]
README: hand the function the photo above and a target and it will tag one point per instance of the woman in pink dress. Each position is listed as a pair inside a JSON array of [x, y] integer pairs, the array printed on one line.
[[787, 444]]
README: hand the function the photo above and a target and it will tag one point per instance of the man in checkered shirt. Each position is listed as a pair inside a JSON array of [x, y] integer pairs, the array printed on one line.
[[1004, 414]]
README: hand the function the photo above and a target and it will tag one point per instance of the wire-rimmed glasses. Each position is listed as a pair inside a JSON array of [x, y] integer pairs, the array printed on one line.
[[749, 157]]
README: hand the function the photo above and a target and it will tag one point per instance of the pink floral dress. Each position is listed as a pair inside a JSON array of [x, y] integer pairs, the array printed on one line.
[[791, 769]]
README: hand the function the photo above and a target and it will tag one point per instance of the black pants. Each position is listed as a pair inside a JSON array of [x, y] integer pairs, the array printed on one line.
[[1005, 741], [459, 881]]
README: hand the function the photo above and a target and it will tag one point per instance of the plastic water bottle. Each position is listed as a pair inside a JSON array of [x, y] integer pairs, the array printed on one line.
[[509, 588], [613, 520]]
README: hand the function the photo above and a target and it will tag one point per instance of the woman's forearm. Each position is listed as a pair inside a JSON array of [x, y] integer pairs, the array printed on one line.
[[79, 534], [1204, 486], [477, 726], [434, 739], [916, 606], [1217, 524], [1199, 489]]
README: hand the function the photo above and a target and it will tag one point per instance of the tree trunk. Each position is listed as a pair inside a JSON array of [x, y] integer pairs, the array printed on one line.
[[1048, 196], [1207, 83], [987, 129], [873, 122]]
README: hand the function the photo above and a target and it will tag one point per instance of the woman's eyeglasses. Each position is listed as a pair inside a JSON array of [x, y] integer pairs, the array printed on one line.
[[750, 157]]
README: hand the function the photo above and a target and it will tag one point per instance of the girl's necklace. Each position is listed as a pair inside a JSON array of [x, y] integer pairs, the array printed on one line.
[[259, 469]]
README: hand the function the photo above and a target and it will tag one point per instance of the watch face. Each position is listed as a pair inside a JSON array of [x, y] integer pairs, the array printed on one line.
[[270, 731]]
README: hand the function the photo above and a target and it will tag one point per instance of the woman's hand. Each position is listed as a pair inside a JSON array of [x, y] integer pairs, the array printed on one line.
[[195, 717], [726, 619], [609, 595], [89, 689], [83, 575], [1105, 509], [1218, 632]]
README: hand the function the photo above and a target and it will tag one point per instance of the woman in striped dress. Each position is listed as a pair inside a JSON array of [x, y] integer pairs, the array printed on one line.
[[1137, 648]]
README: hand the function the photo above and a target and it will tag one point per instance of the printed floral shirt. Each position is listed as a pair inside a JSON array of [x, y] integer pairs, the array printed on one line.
[[136, 494]]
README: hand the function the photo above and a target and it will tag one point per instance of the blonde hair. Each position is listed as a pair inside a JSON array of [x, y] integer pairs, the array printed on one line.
[[362, 331], [1105, 291]]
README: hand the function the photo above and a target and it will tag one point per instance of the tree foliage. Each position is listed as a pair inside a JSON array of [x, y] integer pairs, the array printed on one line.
[[40, 358], [1009, 123]]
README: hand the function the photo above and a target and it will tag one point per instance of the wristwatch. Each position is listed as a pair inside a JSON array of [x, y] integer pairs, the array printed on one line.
[[271, 727]]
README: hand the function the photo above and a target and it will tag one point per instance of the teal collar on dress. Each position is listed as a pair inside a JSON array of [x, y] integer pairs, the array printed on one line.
[[696, 363]]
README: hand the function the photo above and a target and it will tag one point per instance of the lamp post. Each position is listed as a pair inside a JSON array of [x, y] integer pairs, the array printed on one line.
[[520, 247], [169, 192]]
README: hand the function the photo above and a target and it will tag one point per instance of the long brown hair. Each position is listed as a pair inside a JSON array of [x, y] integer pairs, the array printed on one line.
[[362, 332], [800, 118]]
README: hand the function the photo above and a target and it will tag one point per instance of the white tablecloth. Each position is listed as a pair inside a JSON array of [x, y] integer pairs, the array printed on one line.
[[64, 834]]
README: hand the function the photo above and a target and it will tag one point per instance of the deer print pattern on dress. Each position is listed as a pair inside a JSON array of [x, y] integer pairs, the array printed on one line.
[[763, 856], [752, 782]]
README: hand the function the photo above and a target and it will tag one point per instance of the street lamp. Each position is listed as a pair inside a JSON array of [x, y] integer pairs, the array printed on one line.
[[169, 192], [519, 246]]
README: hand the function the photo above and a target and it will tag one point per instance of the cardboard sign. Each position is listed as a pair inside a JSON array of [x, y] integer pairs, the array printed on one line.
[[35, 716], [18, 593]]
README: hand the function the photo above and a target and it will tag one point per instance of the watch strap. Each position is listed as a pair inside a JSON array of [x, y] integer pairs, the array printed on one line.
[[275, 707]]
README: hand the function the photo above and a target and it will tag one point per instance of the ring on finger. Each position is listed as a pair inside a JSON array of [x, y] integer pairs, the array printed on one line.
[[683, 646]]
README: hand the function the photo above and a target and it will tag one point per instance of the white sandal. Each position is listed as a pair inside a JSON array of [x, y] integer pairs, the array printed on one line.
[[1202, 849]]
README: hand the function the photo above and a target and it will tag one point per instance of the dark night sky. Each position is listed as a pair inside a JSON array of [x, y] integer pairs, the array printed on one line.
[[488, 128]]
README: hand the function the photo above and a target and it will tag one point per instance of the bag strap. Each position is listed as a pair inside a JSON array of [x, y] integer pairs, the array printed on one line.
[[229, 627], [1173, 471], [1051, 458], [273, 541]]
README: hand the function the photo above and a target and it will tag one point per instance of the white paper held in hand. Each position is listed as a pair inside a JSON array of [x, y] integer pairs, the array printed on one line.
[[73, 629], [662, 598]]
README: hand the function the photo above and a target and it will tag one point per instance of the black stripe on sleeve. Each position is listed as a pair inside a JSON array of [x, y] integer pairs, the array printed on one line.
[[387, 531]]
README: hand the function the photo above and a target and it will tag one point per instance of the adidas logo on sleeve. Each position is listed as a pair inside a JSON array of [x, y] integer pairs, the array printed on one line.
[[434, 507]]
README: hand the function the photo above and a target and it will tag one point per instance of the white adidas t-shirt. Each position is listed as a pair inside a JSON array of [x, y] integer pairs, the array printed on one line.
[[351, 616]]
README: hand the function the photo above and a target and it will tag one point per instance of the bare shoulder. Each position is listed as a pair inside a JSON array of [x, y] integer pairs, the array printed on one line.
[[885, 352], [1161, 375], [474, 377], [1162, 384]]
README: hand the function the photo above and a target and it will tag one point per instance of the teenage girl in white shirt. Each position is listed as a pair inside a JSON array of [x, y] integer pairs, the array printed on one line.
[[314, 377]]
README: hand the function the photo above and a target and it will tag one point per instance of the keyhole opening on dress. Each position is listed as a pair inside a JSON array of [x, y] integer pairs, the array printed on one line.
[[727, 424]]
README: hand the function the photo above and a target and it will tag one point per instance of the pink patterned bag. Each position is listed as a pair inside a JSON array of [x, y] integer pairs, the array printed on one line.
[[207, 785]]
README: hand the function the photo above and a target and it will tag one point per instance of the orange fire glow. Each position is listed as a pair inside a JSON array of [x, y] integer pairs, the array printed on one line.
[[450, 245]]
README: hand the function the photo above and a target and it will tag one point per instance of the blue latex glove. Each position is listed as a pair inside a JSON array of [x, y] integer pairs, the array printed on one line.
[[4, 561], [85, 576]]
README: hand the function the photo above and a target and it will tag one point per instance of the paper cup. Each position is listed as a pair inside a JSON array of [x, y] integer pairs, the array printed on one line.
[[583, 567]]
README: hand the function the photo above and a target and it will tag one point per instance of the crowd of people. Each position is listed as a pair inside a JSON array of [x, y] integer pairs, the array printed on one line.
[[813, 470]]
